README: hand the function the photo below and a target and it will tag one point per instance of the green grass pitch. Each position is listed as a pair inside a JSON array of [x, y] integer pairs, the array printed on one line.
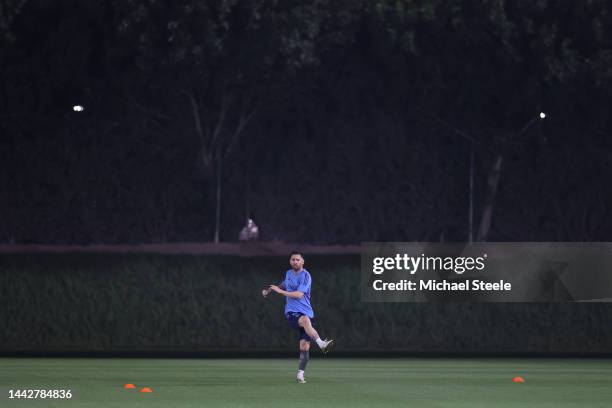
[[331, 382]]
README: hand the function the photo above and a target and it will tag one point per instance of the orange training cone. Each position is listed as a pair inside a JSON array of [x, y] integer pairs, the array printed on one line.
[[129, 386], [518, 380], [146, 389]]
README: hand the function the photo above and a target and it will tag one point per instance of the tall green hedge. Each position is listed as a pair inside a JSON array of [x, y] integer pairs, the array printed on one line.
[[150, 302]]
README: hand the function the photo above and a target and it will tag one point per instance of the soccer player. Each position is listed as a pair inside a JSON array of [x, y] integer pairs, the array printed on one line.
[[299, 314]]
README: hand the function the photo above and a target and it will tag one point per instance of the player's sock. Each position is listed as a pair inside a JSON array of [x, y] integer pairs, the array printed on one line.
[[304, 357], [320, 342], [300, 374]]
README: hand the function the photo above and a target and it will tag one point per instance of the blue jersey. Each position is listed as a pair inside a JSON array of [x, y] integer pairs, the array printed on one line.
[[298, 281]]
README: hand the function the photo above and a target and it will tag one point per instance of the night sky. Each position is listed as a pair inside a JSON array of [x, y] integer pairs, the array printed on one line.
[[327, 122]]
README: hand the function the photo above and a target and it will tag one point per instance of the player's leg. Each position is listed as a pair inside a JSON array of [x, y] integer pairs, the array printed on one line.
[[304, 357], [305, 323]]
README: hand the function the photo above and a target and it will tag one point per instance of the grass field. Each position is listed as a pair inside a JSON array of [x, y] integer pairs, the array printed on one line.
[[331, 382]]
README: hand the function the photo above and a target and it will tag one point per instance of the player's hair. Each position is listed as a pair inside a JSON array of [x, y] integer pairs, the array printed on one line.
[[296, 253]]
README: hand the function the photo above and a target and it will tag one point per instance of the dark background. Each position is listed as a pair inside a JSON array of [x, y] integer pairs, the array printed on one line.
[[153, 304], [326, 121]]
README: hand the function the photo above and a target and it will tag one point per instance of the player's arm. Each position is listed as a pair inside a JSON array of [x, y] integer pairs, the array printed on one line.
[[303, 287], [267, 291], [295, 294]]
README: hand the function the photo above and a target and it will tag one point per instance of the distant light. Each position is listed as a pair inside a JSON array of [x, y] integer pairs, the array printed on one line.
[[542, 115], [78, 108]]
